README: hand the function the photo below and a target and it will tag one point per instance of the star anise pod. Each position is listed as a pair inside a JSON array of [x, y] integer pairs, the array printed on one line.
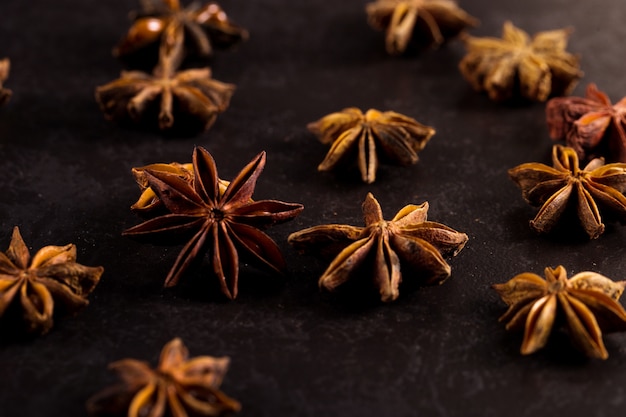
[[221, 223], [517, 65], [379, 248], [596, 186], [587, 304], [31, 287], [435, 20], [390, 135], [5, 93], [178, 387], [591, 125]]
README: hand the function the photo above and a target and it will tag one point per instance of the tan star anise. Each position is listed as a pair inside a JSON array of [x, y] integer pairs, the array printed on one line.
[[178, 387], [378, 249], [519, 66], [596, 186], [5, 93], [222, 224], [32, 287], [587, 305], [390, 135], [435, 20]]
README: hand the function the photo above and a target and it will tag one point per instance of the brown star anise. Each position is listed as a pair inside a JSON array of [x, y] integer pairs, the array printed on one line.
[[221, 223], [555, 188], [591, 125], [587, 304], [392, 135], [32, 286], [437, 20], [5, 93], [178, 387], [382, 246], [519, 66]]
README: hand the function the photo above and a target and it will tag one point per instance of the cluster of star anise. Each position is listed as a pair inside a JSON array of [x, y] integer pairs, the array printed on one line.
[[188, 100]]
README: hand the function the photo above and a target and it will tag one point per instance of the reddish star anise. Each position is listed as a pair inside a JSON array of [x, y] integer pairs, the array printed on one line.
[[31, 287], [596, 186], [436, 20], [587, 304], [591, 125], [382, 246], [221, 223], [178, 387], [5, 94]]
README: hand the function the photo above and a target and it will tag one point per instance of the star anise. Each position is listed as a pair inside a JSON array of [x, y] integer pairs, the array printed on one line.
[[5, 93], [519, 66], [221, 223], [394, 136], [178, 387], [587, 304], [435, 20], [31, 287], [596, 186], [379, 248], [591, 125]]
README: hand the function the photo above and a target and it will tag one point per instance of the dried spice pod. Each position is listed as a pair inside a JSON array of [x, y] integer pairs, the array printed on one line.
[[32, 288], [179, 386], [596, 186], [591, 125], [432, 22], [518, 66], [387, 135], [382, 246], [5, 93], [222, 224], [586, 305]]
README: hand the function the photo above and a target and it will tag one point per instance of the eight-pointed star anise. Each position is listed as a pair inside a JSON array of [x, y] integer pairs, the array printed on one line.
[[221, 223], [5, 94], [436, 20], [519, 66], [596, 186], [587, 305], [382, 246], [591, 125], [389, 135], [178, 387], [33, 286]]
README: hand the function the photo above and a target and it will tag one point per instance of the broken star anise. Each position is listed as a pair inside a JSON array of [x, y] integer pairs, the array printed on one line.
[[31, 287], [389, 135], [591, 125], [379, 248], [5, 93], [596, 186], [223, 224], [435, 20], [517, 65], [178, 387], [586, 304]]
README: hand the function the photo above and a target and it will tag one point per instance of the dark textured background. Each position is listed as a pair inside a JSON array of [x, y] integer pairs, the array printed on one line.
[[437, 351]]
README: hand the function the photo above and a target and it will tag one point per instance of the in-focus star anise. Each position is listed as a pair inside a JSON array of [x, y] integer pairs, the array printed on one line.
[[223, 224], [517, 65], [178, 387], [435, 20], [596, 186], [587, 305], [390, 135], [33, 287], [5, 93], [377, 250], [591, 125]]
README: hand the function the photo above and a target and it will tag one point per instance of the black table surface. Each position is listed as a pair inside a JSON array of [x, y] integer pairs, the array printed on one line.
[[296, 351]]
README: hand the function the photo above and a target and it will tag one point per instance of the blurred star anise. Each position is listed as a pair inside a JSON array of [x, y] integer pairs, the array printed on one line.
[[379, 248], [587, 305], [390, 135], [5, 94], [34, 285], [596, 186], [517, 65], [591, 125], [178, 387], [221, 223], [435, 20]]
